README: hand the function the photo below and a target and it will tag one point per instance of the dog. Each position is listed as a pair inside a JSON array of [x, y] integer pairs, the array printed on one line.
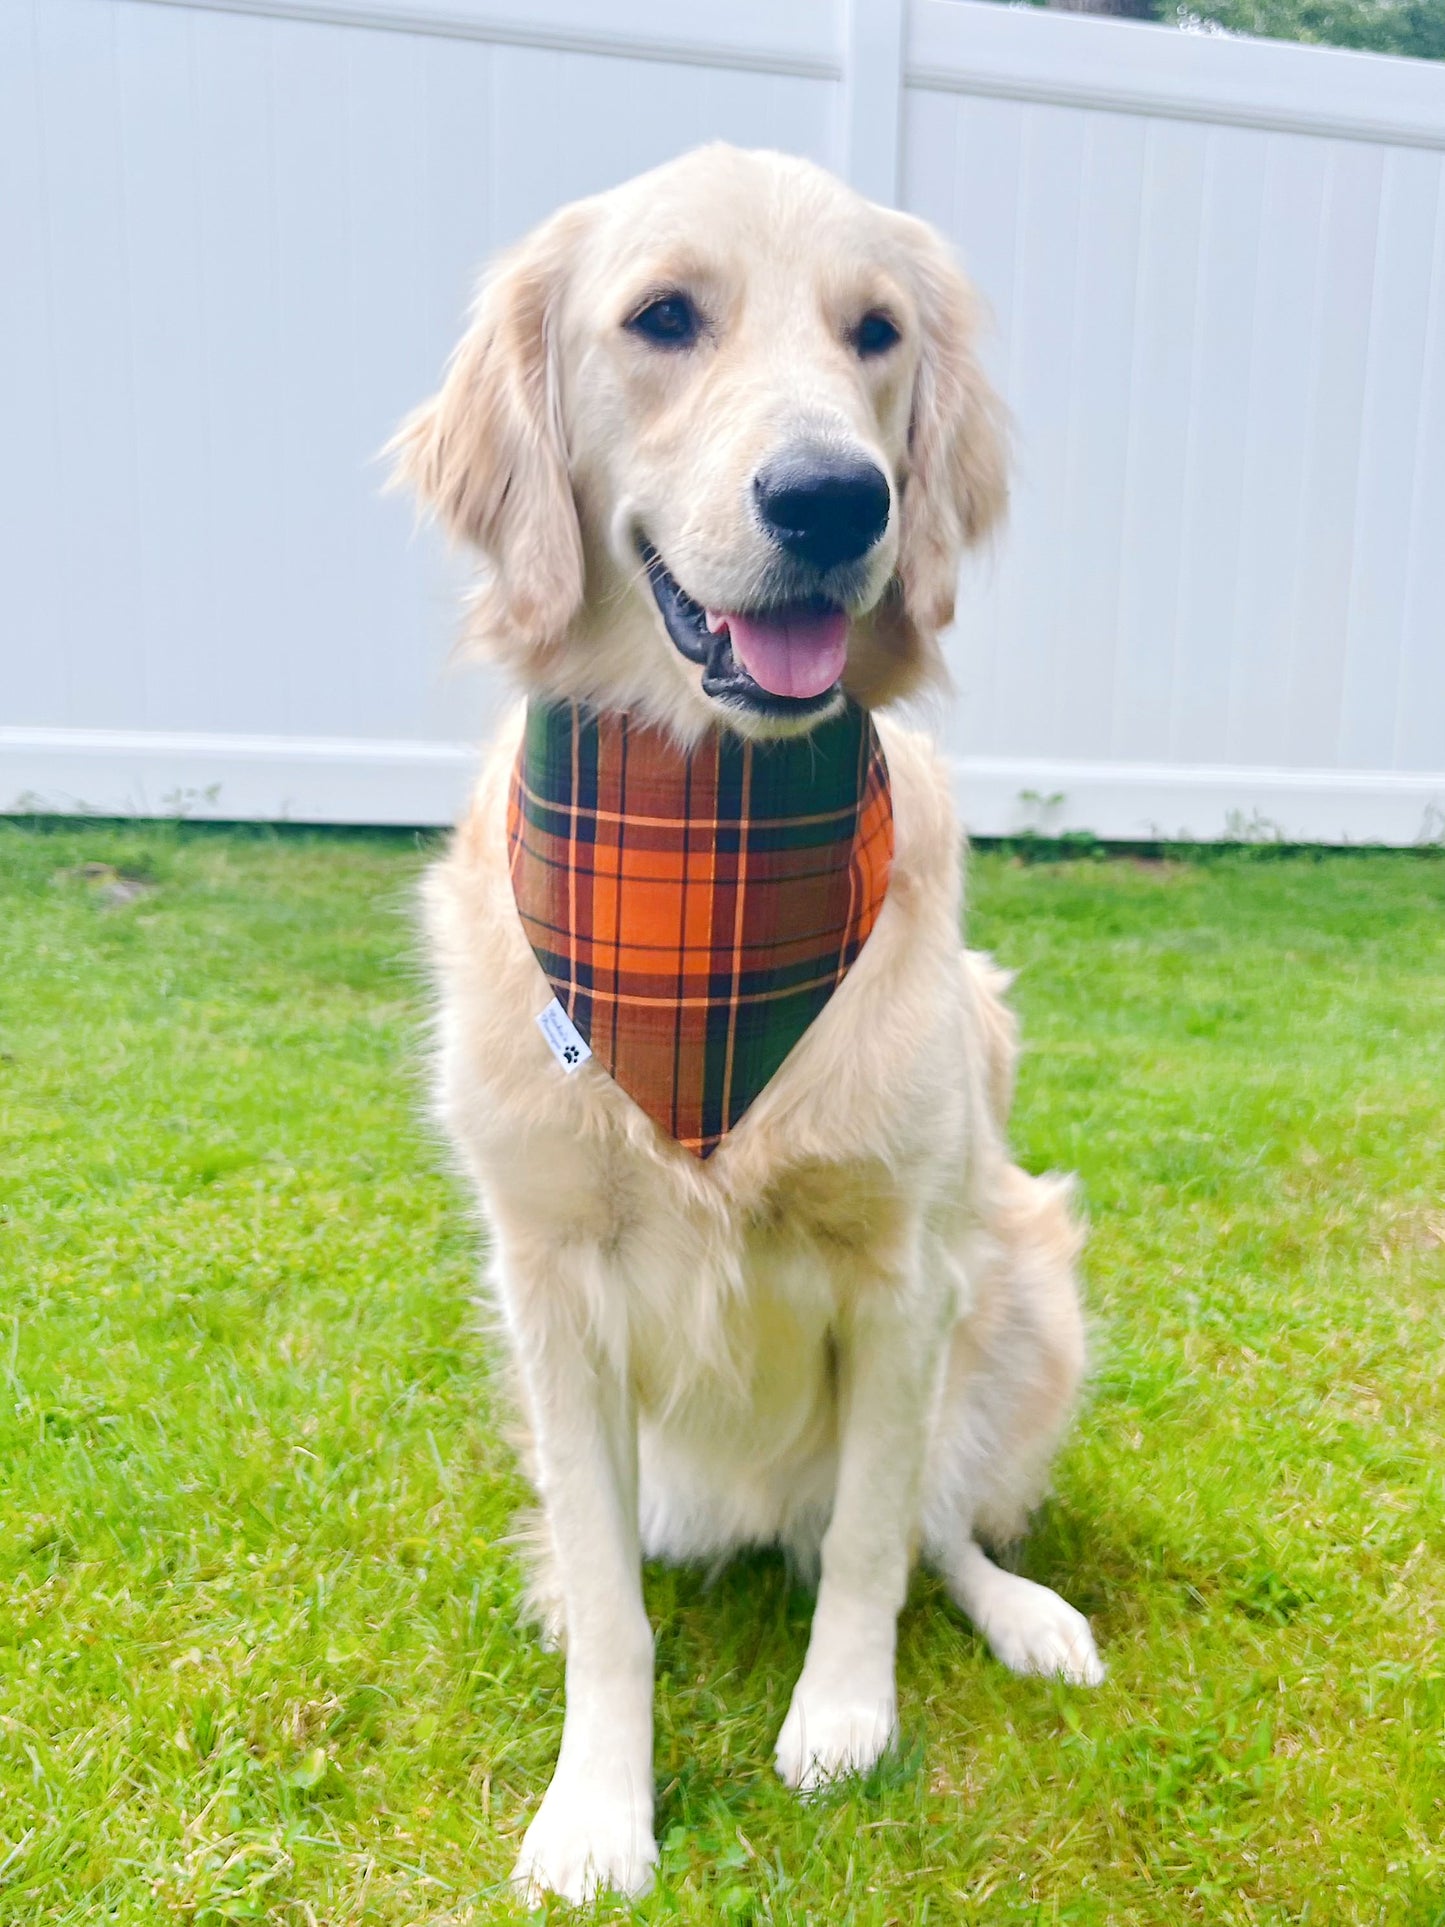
[[720, 436]]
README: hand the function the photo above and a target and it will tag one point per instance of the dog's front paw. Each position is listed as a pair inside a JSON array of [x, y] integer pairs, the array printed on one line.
[[827, 1735], [1032, 1630], [586, 1838]]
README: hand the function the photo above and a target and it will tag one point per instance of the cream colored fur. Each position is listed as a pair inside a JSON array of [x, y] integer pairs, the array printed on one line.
[[854, 1332]]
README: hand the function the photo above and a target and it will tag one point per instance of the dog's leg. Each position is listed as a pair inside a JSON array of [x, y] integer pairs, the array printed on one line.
[[1015, 1367], [1026, 1625], [844, 1711], [593, 1830]]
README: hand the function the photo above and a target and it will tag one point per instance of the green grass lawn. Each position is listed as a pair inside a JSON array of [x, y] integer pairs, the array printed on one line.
[[260, 1657]]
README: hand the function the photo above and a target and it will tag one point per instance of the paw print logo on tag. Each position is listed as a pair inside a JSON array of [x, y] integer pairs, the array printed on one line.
[[567, 1044]]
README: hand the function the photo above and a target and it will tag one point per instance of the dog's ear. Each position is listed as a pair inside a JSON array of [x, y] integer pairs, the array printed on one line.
[[488, 455], [957, 482]]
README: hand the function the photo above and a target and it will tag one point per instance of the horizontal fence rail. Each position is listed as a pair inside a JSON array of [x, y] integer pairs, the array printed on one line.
[[239, 240]]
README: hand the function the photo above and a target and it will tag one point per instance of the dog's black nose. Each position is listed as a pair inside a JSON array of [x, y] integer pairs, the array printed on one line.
[[823, 508]]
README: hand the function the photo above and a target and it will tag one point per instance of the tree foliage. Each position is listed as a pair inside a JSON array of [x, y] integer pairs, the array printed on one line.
[[1413, 27]]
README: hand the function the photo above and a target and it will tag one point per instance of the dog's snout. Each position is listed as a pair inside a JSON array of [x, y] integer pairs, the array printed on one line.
[[823, 508]]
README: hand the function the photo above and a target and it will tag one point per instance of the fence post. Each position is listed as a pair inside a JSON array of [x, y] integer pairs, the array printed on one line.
[[873, 96]]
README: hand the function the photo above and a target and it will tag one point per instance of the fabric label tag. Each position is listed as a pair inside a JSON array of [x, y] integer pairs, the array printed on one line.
[[568, 1045]]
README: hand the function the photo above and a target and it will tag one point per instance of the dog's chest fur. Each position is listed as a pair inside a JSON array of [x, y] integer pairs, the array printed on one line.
[[732, 1349]]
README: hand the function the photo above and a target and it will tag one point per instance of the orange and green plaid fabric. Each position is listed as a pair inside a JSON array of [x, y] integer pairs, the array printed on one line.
[[695, 910]]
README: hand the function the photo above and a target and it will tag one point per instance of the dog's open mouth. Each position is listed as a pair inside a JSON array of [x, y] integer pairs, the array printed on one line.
[[787, 658]]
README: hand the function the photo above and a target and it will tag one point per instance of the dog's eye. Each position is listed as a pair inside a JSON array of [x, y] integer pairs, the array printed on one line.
[[875, 334], [669, 321]]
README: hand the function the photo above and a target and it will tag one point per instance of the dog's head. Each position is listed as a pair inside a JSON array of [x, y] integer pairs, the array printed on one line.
[[721, 437]]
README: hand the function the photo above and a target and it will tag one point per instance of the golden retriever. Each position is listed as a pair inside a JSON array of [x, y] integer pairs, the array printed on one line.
[[853, 1331]]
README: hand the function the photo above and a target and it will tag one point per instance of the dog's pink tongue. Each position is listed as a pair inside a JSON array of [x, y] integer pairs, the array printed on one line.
[[795, 653]]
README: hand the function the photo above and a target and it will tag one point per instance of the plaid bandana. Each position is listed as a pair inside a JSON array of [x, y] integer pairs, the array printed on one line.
[[695, 910]]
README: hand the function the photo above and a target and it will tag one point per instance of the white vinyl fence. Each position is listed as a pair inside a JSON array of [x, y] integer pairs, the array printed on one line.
[[236, 244]]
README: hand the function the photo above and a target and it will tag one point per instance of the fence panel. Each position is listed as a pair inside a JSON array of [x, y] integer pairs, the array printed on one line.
[[239, 241], [1218, 271]]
